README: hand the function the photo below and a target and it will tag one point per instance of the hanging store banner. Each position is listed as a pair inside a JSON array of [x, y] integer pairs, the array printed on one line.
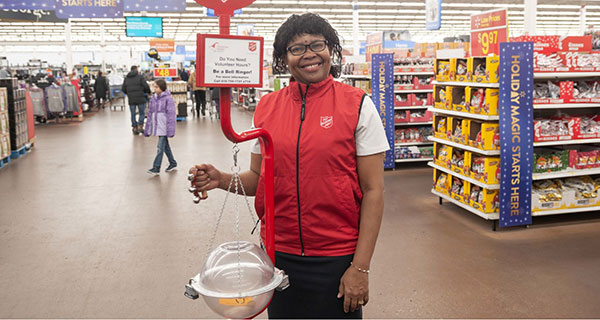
[[30, 15], [155, 5], [433, 14], [28, 5], [98, 9], [488, 30], [516, 132], [163, 45], [229, 61], [382, 94]]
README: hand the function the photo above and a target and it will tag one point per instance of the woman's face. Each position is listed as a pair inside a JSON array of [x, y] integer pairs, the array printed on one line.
[[309, 67], [156, 89]]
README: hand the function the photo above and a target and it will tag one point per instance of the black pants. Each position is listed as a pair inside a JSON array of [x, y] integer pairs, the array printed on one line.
[[314, 285], [200, 96]]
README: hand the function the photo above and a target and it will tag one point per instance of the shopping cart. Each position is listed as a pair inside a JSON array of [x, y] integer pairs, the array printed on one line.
[[117, 98]]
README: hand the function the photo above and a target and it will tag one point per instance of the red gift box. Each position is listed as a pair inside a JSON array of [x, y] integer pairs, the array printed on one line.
[[428, 116], [538, 137], [401, 116], [584, 160], [403, 99], [575, 128]]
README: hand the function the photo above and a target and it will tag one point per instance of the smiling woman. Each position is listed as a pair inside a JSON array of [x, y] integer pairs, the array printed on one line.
[[329, 144]]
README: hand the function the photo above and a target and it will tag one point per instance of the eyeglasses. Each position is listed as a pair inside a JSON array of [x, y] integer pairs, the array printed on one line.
[[300, 49]]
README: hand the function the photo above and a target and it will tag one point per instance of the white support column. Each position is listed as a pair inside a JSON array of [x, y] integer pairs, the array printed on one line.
[[68, 48], [355, 42], [583, 18], [102, 47], [530, 17]]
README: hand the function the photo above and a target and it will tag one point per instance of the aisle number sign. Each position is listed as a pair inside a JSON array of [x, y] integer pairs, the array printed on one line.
[[229, 61], [488, 30], [516, 132], [165, 72]]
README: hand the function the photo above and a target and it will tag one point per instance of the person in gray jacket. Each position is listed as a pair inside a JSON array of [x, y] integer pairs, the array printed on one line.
[[137, 90]]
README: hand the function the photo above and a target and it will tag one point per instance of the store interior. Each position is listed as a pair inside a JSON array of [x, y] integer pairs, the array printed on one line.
[[87, 233]]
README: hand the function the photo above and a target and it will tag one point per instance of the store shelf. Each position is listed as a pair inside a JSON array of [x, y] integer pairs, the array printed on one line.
[[562, 142], [467, 84], [413, 73], [411, 107], [465, 178], [413, 123], [352, 76], [414, 91], [564, 211], [565, 174], [465, 114], [486, 216], [564, 75], [400, 144], [464, 147], [566, 106], [413, 160]]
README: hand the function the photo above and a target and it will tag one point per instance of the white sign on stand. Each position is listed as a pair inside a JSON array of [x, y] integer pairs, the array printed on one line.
[[229, 61]]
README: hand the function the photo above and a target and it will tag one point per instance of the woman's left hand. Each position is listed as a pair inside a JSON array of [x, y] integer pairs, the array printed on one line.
[[354, 287]]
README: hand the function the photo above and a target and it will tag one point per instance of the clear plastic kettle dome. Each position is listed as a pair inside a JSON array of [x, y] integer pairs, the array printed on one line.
[[237, 280]]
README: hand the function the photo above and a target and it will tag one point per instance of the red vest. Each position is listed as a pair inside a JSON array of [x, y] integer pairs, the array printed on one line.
[[317, 194]]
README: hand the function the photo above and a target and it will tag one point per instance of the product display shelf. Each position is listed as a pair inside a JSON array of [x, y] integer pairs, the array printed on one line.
[[412, 108], [565, 142], [565, 106], [486, 216], [421, 143], [408, 73], [400, 124], [413, 160], [566, 174], [464, 147], [465, 178], [414, 91], [467, 84], [563, 211], [564, 75], [464, 114]]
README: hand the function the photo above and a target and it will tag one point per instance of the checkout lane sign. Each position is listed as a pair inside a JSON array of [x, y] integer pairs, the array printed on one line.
[[516, 132]]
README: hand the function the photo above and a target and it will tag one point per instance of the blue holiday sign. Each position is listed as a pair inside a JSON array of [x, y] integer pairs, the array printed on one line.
[[382, 94], [516, 132]]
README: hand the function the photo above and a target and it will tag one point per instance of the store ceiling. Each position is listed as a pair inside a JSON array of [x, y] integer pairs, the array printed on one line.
[[553, 17]]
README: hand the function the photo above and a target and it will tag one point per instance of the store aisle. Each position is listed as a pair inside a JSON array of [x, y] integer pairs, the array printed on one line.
[[85, 232]]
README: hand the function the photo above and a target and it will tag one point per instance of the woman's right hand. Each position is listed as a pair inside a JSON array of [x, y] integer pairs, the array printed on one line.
[[203, 177]]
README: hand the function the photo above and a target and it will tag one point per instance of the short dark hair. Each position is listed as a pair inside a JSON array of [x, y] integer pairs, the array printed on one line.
[[133, 68], [307, 23], [99, 73], [162, 84]]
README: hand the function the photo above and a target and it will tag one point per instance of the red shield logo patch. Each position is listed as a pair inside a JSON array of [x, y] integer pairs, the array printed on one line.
[[326, 122], [252, 46]]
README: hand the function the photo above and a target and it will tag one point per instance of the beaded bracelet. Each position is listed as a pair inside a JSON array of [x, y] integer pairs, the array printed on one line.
[[359, 268]]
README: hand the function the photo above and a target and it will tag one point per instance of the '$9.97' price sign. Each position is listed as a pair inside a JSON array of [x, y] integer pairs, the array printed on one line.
[[487, 41], [164, 73]]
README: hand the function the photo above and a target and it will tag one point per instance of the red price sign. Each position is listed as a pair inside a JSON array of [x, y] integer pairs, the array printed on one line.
[[164, 73], [488, 29]]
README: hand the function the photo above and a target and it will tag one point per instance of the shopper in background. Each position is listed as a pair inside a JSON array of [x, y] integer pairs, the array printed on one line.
[[215, 95], [136, 88], [4, 73], [101, 88], [161, 123], [183, 75], [329, 147], [199, 94]]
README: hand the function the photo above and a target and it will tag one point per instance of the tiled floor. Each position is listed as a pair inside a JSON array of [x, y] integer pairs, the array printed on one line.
[[86, 233]]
